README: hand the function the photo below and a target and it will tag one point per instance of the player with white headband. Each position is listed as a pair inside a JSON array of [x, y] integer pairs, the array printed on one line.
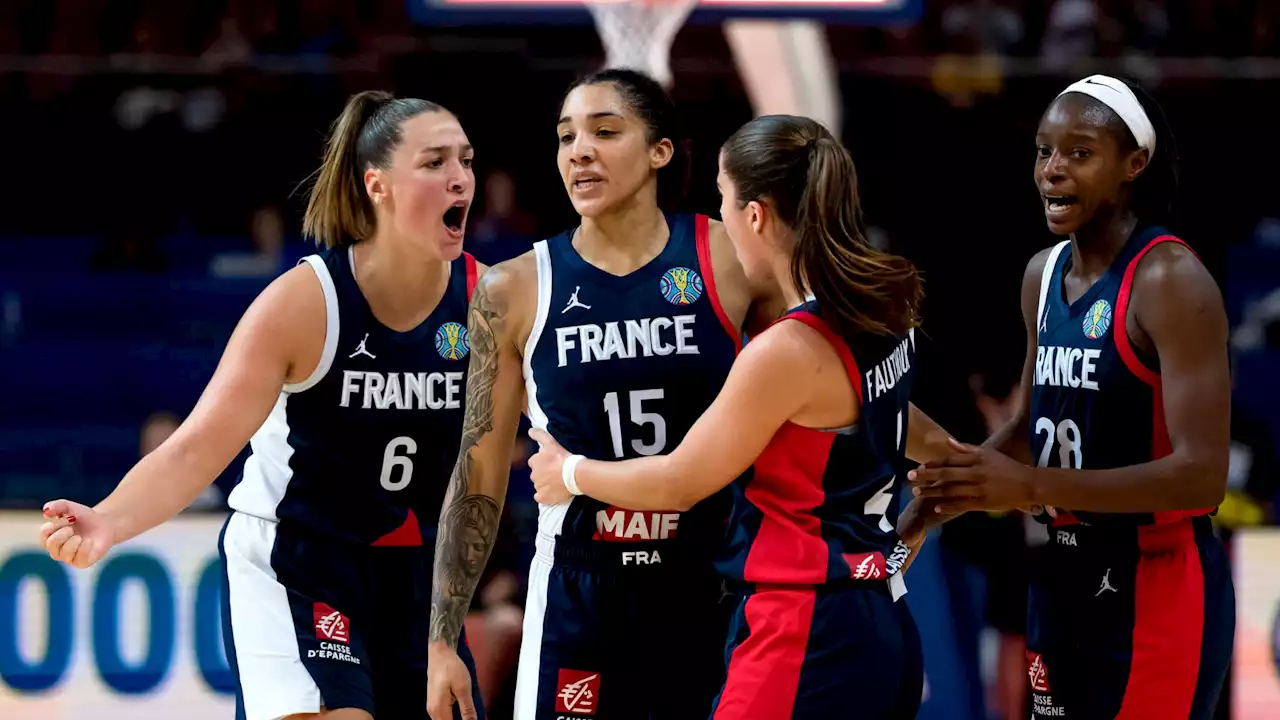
[[1125, 416]]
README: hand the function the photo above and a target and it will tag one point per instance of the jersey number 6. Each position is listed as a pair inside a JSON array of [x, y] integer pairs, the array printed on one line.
[[638, 417], [392, 459]]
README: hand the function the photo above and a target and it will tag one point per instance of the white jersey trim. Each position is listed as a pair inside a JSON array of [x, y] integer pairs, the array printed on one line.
[[273, 678], [266, 471], [331, 326], [1046, 279], [542, 253], [550, 517]]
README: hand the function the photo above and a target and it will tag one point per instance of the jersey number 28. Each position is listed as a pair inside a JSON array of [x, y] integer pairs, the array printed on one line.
[[1068, 436]]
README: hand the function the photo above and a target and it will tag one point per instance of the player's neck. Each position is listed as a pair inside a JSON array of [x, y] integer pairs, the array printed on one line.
[[401, 283], [791, 295], [624, 239], [1096, 245]]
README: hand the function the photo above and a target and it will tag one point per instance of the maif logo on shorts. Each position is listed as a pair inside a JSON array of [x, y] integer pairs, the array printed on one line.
[[331, 625], [579, 692]]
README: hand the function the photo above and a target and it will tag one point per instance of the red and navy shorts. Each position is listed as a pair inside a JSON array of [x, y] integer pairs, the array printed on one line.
[[1130, 622], [837, 651]]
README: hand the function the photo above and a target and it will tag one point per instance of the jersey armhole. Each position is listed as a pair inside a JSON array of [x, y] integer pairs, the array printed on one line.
[[472, 276], [1121, 330], [331, 325], [837, 343], [702, 241], [1046, 279]]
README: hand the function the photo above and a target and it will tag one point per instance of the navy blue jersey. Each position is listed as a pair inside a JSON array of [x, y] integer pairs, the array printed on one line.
[[819, 506], [368, 441], [622, 366], [1095, 403]]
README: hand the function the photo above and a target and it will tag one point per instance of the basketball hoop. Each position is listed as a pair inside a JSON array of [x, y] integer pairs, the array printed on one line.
[[638, 33]]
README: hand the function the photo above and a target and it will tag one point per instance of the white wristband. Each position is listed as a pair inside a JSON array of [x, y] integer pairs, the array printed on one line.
[[567, 473]]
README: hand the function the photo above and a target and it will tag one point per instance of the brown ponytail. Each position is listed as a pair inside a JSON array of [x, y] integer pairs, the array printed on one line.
[[339, 211], [860, 288], [809, 179]]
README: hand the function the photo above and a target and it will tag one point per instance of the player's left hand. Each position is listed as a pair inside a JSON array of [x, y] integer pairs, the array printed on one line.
[[973, 478], [545, 469]]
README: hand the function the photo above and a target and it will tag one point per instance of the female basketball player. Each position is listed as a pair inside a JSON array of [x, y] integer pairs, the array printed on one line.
[[819, 409], [617, 334], [1126, 419], [346, 377]]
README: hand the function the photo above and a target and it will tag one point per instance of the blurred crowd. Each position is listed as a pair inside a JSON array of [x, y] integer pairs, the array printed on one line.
[[162, 151]]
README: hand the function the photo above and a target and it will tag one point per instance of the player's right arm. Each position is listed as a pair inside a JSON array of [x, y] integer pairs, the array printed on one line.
[[279, 339], [497, 327], [1012, 438]]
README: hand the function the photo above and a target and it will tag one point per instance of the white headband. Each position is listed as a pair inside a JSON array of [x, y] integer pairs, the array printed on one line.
[[1117, 96]]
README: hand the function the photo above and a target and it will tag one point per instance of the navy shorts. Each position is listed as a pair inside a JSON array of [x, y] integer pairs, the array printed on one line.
[[311, 622], [610, 634], [847, 651], [1129, 623]]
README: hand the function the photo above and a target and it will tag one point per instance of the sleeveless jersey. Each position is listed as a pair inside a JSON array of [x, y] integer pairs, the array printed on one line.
[[819, 506], [362, 449], [1095, 403], [622, 366]]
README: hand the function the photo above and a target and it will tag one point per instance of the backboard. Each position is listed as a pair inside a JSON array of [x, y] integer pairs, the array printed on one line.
[[565, 12]]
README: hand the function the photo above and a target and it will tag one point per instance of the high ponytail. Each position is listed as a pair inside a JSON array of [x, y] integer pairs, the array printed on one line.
[[809, 179], [339, 211]]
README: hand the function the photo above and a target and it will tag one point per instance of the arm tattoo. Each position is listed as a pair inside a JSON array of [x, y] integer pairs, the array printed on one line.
[[469, 521]]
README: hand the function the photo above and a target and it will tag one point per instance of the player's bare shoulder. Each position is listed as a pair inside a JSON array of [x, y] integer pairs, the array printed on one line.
[[1031, 279], [1171, 268], [732, 286], [506, 297], [291, 315]]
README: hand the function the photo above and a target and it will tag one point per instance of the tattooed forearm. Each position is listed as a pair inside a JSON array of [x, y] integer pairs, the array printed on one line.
[[469, 518]]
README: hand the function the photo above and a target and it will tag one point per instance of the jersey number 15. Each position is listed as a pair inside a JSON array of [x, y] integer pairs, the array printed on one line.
[[636, 400]]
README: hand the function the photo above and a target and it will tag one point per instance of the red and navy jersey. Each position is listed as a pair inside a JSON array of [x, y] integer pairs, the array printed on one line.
[[1095, 398], [819, 506], [368, 441], [621, 367]]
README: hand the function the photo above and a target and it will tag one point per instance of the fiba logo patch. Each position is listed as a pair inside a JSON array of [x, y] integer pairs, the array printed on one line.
[[681, 286], [452, 342], [1098, 320]]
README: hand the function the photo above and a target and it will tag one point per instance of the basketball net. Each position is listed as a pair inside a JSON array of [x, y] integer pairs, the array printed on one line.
[[638, 33]]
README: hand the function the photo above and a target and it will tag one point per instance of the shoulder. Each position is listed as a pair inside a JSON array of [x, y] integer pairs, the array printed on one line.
[[794, 346], [1171, 277], [721, 246], [1035, 267], [299, 289], [506, 295], [1171, 262], [290, 319], [1031, 278], [509, 278], [735, 291]]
